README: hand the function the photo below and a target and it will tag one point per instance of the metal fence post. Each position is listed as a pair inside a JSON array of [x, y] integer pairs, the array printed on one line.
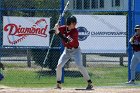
[[84, 59], [1, 6], [129, 36], [62, 47], [28, 58], [121, 61]]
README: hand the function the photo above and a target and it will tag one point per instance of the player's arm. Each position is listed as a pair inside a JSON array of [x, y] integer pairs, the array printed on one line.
[[59, 33], [134, 42], [64, 38], [131, 40], [71, 40]]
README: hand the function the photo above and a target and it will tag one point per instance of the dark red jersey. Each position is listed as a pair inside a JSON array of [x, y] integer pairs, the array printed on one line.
[[72, 35], [136, 41]]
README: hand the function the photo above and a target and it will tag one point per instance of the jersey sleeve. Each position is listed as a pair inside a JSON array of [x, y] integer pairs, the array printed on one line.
[[62, 29]]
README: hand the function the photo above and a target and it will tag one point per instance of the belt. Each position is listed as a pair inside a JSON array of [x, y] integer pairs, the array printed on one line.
[[137, 50], [73, 48]]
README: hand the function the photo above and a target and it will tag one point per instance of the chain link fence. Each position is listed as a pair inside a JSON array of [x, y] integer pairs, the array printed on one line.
[[23, 64]]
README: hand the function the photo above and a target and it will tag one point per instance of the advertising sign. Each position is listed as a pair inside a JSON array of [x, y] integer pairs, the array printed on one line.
[[102, 33], [25, 31]]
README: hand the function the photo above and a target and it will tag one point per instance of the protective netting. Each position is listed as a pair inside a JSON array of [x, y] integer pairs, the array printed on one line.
[[23, 64]]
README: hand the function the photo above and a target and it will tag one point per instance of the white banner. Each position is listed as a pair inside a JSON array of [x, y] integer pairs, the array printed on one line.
[[102, 33], [26, 31]]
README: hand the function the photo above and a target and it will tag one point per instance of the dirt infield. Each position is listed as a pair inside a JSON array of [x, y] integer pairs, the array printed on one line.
[[70, 90]]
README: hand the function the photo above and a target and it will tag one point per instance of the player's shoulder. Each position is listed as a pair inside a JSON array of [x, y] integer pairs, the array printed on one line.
[[137, 36], [75, 30], [63, 27]]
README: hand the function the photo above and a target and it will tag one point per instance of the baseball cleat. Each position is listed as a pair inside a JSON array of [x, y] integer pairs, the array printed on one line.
[[130, 82], [58, 86], [89, 87]]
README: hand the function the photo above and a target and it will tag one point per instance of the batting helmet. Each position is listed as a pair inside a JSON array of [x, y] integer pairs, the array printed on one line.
[[137, 27], [71, 19]]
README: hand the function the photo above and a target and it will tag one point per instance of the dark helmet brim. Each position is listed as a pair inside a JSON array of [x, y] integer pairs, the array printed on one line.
[[71, 19], [137, 27]]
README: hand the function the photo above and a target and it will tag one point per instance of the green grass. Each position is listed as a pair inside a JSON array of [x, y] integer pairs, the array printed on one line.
[[101, 76], [110, 76]]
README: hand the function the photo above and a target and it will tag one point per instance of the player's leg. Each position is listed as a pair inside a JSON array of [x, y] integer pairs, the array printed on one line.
[[61, 62], [134, 62], [138, 56], [78, 60]]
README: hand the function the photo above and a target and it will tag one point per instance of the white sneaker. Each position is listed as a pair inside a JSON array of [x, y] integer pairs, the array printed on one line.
[[130, 82]]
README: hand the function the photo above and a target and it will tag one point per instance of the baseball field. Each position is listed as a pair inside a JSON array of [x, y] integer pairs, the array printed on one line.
[[109, 89], [107, 78]]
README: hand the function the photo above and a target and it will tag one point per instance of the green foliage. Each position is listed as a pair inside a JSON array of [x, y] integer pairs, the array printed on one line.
[[37, 8], [53, 56], [38, 4]]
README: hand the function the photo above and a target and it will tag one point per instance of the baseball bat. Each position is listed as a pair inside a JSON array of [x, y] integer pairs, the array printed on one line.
[[59, 19]]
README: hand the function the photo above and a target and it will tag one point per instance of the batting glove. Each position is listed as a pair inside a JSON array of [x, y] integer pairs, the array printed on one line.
[[56, 29]]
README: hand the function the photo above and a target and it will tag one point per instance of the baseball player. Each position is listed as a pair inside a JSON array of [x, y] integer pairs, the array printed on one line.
[[69, 35], [135, 42]]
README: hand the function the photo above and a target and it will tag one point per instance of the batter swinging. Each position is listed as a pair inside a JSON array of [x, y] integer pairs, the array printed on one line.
[[69, 35]]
